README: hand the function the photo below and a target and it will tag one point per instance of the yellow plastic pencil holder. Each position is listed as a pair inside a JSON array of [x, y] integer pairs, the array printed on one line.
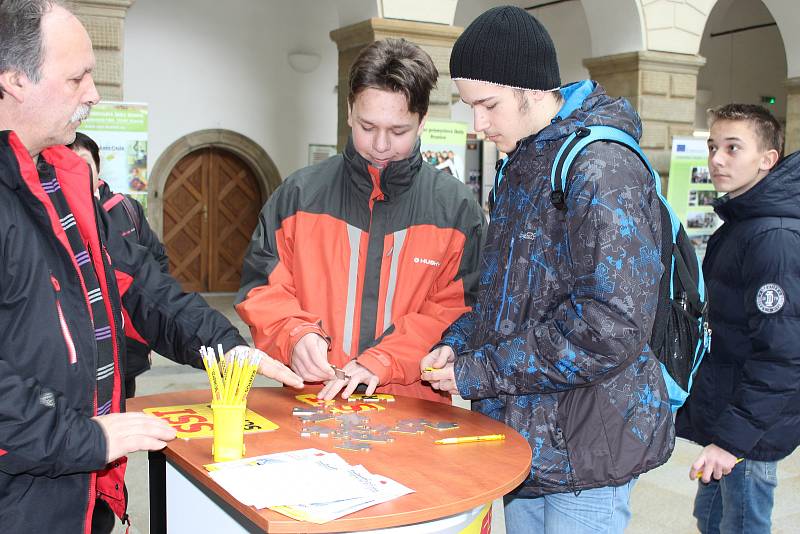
[[228, 431]]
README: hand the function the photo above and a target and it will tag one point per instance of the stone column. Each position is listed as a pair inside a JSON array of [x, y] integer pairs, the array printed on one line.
[[661, 86], [105, 20], [436, 39], [792, 127]]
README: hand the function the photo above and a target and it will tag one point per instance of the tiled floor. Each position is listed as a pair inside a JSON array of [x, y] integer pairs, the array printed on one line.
[[661, 502]]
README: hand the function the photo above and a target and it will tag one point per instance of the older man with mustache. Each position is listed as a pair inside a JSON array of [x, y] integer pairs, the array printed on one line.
[[63, 431]]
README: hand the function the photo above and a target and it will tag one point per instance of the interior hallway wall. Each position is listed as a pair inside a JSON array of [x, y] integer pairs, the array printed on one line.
[[741, 67], [203, 64]]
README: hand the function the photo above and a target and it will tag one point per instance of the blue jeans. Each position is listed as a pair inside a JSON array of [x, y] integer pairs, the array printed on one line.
[[604, 510], [740, 502]]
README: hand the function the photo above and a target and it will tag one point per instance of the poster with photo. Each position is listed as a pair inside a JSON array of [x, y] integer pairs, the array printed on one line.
[[120, 130], [700, 220], [319, 153], [444, 145], [699, 197], [690, 191]]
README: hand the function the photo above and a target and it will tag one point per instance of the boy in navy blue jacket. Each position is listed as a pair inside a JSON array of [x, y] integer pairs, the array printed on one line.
[[745, 404]]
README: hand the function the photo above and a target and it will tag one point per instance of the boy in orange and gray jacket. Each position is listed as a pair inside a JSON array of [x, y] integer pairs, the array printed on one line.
[[363, 260]]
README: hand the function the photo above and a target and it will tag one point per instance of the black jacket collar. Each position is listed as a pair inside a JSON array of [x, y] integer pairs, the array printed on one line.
[[776, 195], [396, 177]]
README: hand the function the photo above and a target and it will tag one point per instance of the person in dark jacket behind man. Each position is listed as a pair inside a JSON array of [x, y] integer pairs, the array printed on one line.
[[64, 279], [556, 346], [745, 403], [127, 216]]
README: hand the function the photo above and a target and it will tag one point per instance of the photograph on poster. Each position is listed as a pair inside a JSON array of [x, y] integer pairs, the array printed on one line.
[[319, 153], [120, 131], [702, 198], [136, 154], [700, 175], [444, 145], [701, 219], [700, 242], [473, 166], [689, 190], [444, 160]]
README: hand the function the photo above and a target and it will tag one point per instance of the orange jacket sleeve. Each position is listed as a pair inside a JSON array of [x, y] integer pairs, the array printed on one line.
[[267, 299]]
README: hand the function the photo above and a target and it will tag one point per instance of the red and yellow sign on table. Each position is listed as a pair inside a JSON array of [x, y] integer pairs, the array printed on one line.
[[197, 420]]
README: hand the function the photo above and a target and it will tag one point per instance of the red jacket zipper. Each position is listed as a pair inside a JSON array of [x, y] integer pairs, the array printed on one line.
[[73, 354]]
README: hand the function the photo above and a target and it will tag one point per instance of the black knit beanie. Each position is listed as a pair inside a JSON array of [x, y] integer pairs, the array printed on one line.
[[507, 46]]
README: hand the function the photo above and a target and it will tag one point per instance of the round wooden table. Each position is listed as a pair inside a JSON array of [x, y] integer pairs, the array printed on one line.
[[447, 479]]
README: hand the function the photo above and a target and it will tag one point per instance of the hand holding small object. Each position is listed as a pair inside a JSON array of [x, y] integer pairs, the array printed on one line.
[[353, 374], [437, 369], [310, 359], [713, 462]]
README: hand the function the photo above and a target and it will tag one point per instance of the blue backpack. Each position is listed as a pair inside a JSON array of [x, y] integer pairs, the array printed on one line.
[[680, 337]]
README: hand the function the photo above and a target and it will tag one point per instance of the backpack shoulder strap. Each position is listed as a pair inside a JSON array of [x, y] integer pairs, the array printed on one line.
[[575, 143], [130, 210], [133, 215], [112, 201]]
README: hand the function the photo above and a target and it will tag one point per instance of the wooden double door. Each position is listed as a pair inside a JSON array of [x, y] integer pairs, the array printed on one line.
[[211, 204]]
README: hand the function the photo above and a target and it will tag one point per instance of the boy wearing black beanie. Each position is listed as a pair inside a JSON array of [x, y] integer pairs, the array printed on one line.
[[556, 346]]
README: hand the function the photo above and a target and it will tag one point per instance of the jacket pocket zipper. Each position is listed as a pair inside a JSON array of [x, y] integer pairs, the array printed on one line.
[[72, 353]]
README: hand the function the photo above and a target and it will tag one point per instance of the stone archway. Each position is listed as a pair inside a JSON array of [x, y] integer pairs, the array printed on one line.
[[256, 157], [787, 15], [746, 58], [204, 196], [615, 26]]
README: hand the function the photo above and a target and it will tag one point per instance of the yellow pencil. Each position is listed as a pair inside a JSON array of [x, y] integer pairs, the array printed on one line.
[[249, 376], [226, 364], [229, 369], [700, 473], [230, 385], [470, 439], [203, 359], [214, 377], [236, 376], [220, 360]]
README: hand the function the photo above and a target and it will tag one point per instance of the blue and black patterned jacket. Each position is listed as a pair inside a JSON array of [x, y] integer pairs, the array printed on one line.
[[556, 346]]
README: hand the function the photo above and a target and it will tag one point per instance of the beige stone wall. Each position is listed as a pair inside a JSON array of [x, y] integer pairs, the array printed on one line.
[[105, 20], [675, 25], [436, 39], [661, 86], [792, 143]]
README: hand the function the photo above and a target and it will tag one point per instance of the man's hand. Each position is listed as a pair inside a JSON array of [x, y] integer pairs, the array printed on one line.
[[133, 431], [714, 462], [272, 368], [442, 376], [310, 358], [358, 375]]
